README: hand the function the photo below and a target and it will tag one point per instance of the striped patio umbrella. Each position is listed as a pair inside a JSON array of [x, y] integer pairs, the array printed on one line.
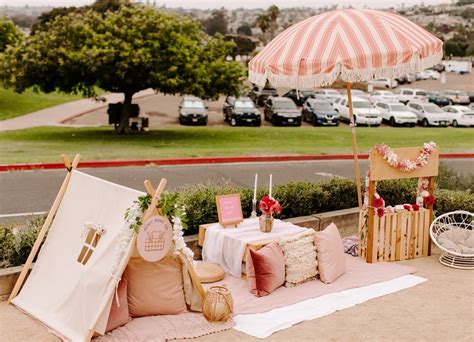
[[347, 44]]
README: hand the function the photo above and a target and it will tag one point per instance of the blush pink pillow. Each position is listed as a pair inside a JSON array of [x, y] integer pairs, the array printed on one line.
[[330, 254], [265, 269], [155, 288], [119, 315]]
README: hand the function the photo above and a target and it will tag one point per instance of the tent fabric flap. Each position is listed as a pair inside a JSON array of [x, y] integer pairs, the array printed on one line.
[[74, 269]]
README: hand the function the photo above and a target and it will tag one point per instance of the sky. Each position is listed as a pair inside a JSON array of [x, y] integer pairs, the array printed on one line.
[[203, 4]]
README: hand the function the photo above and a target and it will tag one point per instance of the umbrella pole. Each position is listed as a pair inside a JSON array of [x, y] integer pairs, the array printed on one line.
[[354, 146]]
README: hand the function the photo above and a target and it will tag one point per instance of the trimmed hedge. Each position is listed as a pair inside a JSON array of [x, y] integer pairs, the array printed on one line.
[[296, 198], [306, 198]]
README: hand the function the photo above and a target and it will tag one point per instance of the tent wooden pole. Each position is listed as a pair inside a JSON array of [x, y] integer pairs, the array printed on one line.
[[151, 191], [69, 166], [354, 146]]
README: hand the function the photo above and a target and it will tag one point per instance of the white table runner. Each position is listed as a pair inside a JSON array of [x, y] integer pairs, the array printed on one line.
[[226, 246]]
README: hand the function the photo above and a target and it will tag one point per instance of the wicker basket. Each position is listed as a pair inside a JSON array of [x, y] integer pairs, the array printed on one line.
[[217, 305]]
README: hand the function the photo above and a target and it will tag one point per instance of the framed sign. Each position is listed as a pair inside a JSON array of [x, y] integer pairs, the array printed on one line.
[[229, 210], [154, 238]]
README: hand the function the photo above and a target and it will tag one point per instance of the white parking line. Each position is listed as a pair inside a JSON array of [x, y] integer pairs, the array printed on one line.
[[23, 214], [325, 174]]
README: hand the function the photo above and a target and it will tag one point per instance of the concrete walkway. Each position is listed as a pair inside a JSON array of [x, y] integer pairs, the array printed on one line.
[[440, 309], [54, 116]]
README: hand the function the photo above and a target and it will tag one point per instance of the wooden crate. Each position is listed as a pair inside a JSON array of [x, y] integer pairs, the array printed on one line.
[[397, 236]]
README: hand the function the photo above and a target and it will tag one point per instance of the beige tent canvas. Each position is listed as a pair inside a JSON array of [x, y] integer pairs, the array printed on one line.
[[71, 286]]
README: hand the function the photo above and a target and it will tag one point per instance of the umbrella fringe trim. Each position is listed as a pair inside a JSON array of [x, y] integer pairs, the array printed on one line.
[[339, 72]]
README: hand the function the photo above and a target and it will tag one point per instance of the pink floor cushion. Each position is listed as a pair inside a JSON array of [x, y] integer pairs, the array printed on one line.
[[265, 269], [155, 288], [330, 252], [119, 314]]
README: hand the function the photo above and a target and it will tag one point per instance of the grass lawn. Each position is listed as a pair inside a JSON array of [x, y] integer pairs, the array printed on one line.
[[13, 104], [45, 144]]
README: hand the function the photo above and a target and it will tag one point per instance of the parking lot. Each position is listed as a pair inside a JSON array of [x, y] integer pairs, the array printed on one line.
[[163, 109]]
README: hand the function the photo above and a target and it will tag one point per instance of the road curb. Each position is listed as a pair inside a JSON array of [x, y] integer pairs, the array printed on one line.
[[201, 160]]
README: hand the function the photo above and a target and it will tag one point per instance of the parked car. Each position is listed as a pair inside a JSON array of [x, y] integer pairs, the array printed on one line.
[[471, 96], [408, 78], [327, 94], [299, 97], [457, 97], [438, 98], [438, 67], [427, 75], [356, 93], [407, 94], [282, 111], [396, 113], [460, 115], [319, 113], [364, 113], [383, 95], [429, 114], [241, 111], [192, 111], [384, 83], [260, 94]]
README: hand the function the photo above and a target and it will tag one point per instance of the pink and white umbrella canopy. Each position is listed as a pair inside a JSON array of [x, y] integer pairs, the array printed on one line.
[[352, 45]]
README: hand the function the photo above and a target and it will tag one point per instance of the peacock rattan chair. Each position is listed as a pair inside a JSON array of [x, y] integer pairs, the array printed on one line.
[[453, 233]]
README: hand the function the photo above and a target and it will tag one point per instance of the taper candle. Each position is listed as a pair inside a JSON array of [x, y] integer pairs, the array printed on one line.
[[270, 187], [255, 187]]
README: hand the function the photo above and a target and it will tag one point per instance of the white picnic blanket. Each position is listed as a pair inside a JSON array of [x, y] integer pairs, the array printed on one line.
[[226, 246], [264, 324]]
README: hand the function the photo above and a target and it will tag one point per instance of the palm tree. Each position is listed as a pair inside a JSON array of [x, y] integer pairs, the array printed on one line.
[[273, 13], [263, 22]]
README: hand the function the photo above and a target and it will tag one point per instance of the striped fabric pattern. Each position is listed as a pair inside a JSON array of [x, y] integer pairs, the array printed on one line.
[[353, 45]]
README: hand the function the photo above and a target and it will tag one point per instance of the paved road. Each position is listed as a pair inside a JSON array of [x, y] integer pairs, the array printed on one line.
[[33, 191]]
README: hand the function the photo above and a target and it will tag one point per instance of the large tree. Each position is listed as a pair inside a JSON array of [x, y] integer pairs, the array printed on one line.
[[216, 23], [9, 34], [127, 50]]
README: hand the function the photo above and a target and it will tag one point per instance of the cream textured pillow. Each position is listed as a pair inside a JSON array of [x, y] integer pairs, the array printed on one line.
[[300, 258], [331, 258]]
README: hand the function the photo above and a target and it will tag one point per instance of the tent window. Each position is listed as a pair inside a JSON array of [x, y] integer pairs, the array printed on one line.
[[94, 233]]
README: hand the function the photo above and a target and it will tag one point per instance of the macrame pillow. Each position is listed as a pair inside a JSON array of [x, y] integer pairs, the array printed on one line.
[[300, 258]]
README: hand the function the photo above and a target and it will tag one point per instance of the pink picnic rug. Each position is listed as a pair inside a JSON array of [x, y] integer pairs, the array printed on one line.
[[190, 325], [165, 327], [358, 274]]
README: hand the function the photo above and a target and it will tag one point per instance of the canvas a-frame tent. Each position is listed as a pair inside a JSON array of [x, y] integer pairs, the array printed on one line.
[[72, 284]]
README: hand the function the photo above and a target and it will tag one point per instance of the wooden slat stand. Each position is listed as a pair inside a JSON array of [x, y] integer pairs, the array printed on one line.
[[402, 235]]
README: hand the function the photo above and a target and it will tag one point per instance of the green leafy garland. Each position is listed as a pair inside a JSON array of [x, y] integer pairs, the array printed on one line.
[[168, 205]]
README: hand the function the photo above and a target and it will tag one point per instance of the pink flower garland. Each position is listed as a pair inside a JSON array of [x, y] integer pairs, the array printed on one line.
[[406, 165]]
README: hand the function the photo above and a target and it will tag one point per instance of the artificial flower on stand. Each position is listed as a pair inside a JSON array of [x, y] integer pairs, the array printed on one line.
[[268, 206]]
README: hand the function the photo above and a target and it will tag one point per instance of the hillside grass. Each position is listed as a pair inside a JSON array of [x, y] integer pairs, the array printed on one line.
[[13, 104]]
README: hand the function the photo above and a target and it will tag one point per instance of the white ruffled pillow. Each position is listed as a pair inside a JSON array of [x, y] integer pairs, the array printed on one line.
[[301, 263]]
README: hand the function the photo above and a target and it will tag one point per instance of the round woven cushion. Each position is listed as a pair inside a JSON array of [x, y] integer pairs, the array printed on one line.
[[209, 273]]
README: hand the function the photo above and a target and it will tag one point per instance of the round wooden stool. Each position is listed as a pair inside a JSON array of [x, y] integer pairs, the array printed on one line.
[[209, 273]]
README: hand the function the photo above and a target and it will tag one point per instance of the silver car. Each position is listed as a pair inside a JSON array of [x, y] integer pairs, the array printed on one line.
[[429, 114]]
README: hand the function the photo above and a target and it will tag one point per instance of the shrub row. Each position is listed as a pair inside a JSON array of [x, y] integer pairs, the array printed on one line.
[[296, 198], [306, 198], [16, 242]]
